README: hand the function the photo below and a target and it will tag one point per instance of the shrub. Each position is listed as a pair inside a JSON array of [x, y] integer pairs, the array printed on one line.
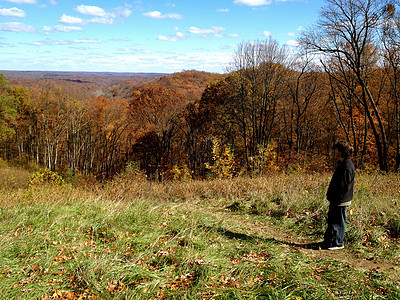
[[223, 161], [46, 177]]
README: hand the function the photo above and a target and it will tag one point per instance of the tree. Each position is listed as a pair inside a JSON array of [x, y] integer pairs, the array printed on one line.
[[261, 72], [8, 108], [346, 36], [104, 135], [391, 52], [152, 112], [303, 86]]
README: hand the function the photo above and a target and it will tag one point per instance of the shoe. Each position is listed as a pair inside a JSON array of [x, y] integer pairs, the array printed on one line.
[[324, 245], [336, 248]]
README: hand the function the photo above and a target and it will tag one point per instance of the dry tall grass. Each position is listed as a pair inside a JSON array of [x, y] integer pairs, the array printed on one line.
[[373, 192], [130, 238]]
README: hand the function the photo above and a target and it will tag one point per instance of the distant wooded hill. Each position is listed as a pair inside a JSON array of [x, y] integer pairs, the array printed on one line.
[[66, 74]]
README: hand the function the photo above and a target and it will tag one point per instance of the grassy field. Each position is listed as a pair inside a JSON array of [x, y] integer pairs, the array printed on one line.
[[244, 238]]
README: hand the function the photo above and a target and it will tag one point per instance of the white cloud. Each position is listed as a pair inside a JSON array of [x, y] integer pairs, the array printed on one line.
[[153, 14], [91, 10], [300, 28], [292, 43], [266, 33], [253, 2], [290, 34], [168, 62], [62, 28], [16, 27], [158, 15], [212, 30], [23, 1], [107, 20], [215, 31], [53, 2], [71, 20], [12, 12], [172, 38], [99, 15], [85, 41], [121, 12], [70, 42], [32, 44], [226, 47], [206, 60], [223, 10], [84, 48]]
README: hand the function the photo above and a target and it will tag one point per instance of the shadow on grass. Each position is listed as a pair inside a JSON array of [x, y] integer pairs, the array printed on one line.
[[238, 236], [256, 239], [311, 246]]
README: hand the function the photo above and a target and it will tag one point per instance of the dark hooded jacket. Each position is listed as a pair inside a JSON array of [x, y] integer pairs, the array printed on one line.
[[341, 187]]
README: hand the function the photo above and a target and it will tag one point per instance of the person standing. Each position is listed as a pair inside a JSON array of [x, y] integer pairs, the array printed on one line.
[[339, 195]]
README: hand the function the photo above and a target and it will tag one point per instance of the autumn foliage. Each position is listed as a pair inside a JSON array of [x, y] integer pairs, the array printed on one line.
[[181, 122], [272, 111]]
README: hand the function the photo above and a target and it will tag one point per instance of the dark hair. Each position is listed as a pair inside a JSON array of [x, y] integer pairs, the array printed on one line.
[[344, 148]]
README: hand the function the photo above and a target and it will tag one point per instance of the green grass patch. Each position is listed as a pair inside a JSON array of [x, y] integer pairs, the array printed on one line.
[[192, 240]]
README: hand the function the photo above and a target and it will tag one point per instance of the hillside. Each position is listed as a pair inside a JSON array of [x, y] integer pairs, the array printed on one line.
[[100, 83], [244, 238]]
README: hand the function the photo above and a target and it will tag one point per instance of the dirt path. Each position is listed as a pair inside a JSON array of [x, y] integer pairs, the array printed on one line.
[[310, 248]]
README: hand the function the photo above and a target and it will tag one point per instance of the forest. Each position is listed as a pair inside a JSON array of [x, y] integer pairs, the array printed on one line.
[[274, 108]]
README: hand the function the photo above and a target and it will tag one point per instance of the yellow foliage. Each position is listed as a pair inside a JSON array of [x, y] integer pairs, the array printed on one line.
[[223, 161], [181, 173], [265, 159], [46, 177]]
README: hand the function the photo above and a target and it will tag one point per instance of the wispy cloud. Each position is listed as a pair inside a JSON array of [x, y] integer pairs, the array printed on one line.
[[17, 27], [292, 43], [121, 12], [91, 10], [253, 2], [173, 37], [99, 15], [22, 1], [62, 28], [226, 47], [223, 10], [266, 33], [215, 31], [12, 12], [84, 48], [158, 15], [106, 20], [70, 20], [212, 30], [69, 42]]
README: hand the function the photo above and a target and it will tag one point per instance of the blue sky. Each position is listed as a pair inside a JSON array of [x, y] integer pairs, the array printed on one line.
[[142, 36]]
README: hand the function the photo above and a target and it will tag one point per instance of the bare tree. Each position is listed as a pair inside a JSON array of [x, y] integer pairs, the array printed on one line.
[[303, 86], [391, 52], [346, 37], [261, 69]]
